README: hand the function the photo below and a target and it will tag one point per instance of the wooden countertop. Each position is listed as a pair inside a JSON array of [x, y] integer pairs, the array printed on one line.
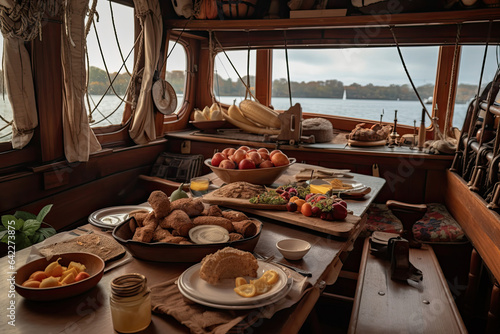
[[90, 311]]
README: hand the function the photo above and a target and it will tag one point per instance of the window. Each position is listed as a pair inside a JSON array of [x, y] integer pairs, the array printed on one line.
[[227, 86], [469, 74], [107, 49], [356, 82], [177, 70], [5, 106]]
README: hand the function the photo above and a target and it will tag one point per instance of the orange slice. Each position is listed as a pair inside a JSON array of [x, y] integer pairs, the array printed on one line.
[[246, 290], [240, 281], [261, 286]]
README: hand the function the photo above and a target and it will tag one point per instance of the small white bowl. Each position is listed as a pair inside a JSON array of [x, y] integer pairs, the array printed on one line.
[[293, 249]]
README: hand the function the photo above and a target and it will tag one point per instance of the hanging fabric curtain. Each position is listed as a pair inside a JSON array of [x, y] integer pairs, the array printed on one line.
[[79, 139], [20, 21], [142, 128]]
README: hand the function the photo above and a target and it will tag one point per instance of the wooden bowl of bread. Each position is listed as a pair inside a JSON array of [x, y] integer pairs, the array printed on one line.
[[163, 235]]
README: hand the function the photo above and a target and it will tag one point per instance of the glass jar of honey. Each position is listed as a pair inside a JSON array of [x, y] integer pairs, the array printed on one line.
[[130, 303]]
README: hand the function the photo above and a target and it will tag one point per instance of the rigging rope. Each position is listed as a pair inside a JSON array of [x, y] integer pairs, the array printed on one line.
[[234, 68], [288, 70], [452, 83], [116, 36]]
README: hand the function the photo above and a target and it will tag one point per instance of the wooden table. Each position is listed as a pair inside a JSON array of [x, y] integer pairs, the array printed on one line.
[[90, 311]]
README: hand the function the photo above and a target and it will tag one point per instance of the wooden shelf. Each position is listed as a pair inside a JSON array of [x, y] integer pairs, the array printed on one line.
[[406, 19]]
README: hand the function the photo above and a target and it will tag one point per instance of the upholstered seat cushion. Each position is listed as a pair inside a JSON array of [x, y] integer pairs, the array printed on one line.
[[437, 225], [380, 218]]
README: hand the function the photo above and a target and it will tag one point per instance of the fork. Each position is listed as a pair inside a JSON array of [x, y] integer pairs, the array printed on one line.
[[269, 259]]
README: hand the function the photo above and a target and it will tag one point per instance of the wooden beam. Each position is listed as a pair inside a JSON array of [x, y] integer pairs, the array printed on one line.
[[264, 76]]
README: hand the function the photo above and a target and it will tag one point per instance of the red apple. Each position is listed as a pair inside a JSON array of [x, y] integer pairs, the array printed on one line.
[[264, 156], [279, 159], [217, 158], [252, 150], [244, 148], [227, 164], [229, 151], [263, 150], [238, 156], [274, 152], [255, 157], [246, 164], [266, 164]]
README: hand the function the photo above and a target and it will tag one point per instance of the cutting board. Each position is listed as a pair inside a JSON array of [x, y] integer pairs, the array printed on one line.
[[278, 212], [239, 203]]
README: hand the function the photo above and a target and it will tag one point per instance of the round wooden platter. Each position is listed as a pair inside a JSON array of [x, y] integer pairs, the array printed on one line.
[[366, 143]]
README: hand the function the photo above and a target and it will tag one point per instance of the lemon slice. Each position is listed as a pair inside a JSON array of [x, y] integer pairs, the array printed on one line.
[[245, 290], [260, 286], [240, 281], [271, 277]]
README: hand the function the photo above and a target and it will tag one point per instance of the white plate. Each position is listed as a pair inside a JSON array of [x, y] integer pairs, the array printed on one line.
[[277, 297], [112, 216], [223, 292], [356, 186]]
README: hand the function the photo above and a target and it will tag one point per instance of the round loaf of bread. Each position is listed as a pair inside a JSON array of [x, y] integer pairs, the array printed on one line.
[[228, 263]]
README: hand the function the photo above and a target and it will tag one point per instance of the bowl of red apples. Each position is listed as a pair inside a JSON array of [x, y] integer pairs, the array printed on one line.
[[253, 165]]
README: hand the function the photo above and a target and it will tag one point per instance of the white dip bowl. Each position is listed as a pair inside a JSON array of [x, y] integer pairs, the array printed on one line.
[[293, 249]]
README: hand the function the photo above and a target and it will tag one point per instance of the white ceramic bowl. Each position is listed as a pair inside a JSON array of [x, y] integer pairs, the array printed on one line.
[[293, 249]]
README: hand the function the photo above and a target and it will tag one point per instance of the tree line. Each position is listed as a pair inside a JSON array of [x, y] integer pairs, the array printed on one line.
[[99, 82]]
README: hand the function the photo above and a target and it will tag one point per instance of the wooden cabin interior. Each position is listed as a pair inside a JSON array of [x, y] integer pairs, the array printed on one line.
[[40, 173]]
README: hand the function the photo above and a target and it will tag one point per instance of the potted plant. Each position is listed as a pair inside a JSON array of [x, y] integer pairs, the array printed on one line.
[[24, 229]]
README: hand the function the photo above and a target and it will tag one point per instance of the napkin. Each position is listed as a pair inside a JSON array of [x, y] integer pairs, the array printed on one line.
[[167, 299], [309, 173]]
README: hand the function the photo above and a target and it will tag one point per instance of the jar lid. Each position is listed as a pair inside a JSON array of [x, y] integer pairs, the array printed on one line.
[[128, 285]]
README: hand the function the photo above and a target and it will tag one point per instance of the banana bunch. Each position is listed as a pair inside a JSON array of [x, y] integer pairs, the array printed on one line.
[[212, 113], [253, 117]]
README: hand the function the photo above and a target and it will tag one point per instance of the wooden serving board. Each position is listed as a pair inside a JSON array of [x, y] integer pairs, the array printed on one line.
[[239, 203], [278, 212]]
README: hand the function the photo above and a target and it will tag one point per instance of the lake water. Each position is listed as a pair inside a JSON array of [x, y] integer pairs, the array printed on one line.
[[408, 111]]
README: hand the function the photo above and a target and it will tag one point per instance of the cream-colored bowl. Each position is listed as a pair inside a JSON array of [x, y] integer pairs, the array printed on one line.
[[293, 249]]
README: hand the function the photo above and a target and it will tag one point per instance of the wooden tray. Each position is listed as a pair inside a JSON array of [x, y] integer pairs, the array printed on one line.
[[278, 212], [239, 203], [366, 143]]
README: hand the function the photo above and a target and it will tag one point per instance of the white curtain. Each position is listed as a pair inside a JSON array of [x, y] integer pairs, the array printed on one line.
[[20, 90], [79, 139], [142, 127], [17, 73]]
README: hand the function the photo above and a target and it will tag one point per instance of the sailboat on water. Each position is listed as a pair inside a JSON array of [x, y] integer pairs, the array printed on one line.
[[344, 97]]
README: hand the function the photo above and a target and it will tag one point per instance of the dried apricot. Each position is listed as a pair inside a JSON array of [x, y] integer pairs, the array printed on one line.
[[49, 282], [31, 283], [306, 209], [38, 276], [54, 269]]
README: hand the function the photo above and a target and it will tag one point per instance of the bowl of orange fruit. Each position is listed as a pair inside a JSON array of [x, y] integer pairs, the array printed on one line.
[[61, 276]]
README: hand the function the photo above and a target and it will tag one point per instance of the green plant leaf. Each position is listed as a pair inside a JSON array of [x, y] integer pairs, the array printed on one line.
[[37, 237], [5, 238], [24, 215], [2, 234], [22, 241], [2, 228], [47, 232], [45, 210], [7, 219], [30, 227]]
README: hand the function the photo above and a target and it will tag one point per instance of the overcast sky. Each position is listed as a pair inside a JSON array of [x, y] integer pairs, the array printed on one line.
[[379, 66]]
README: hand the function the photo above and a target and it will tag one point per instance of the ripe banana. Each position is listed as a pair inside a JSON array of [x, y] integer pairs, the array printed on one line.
[[250, 128]]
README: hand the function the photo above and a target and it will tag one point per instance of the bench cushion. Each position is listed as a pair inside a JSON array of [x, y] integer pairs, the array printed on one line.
[[380, 218], [437, 225]]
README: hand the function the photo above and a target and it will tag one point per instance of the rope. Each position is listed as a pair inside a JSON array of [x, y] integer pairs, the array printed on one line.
[[24, 19], [452, 82], [288, 70], [234, 68], [92, 12], [116, 36]]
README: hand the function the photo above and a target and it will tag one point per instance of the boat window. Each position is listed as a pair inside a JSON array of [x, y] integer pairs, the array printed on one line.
[[471, 61], [227, 86], [5, 106], [176, 70], [110, 60], [355, 82]]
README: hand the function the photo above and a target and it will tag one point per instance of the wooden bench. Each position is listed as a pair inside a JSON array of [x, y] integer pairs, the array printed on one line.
[[382, 305]]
